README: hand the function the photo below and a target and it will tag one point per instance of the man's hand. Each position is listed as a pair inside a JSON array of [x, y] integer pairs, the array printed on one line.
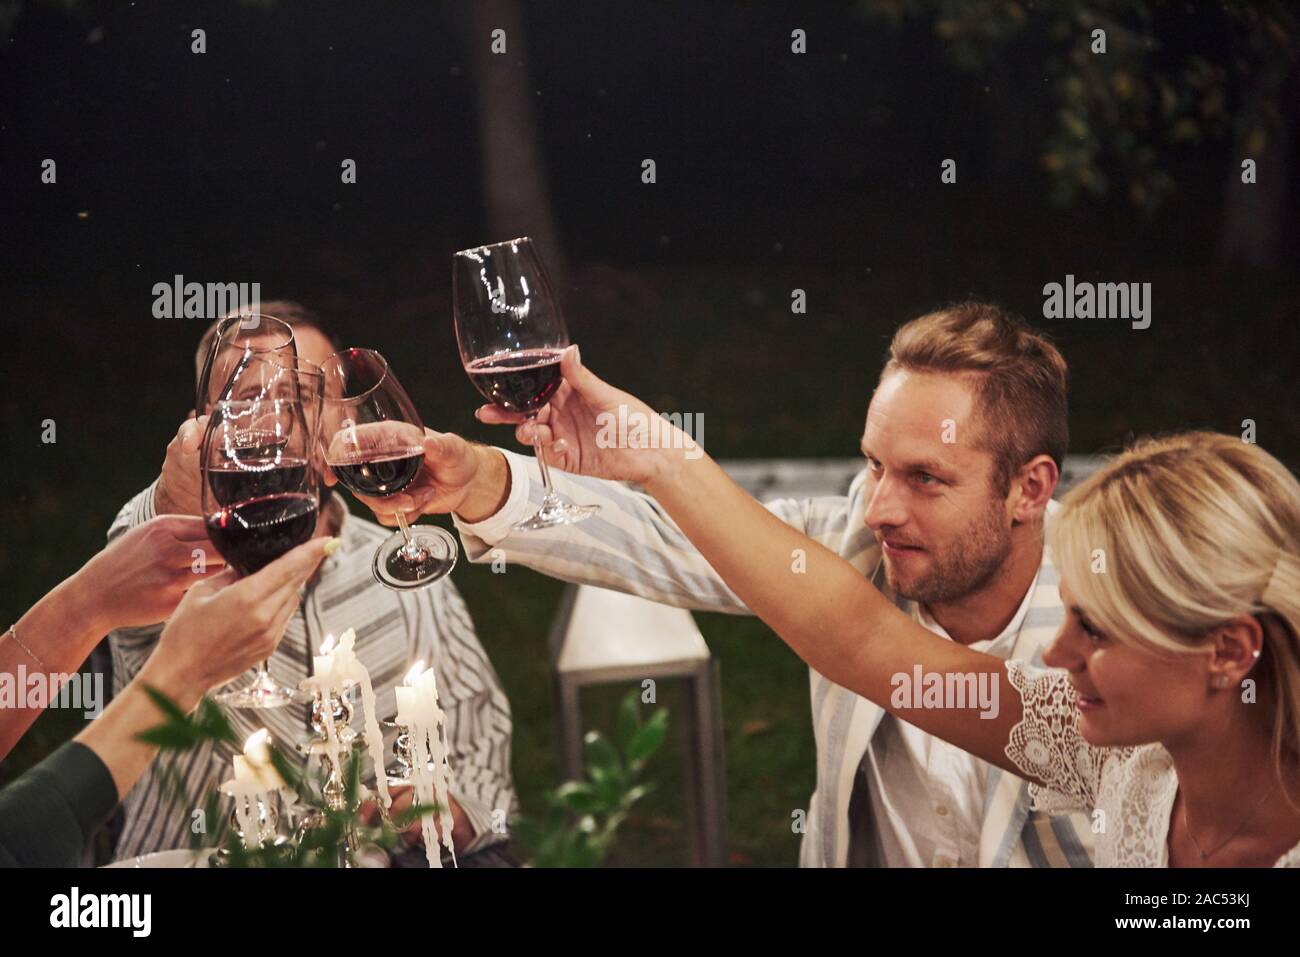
[[179, 487], [579, 428], [457, 476]]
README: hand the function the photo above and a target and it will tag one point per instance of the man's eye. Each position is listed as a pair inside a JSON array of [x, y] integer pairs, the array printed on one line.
[[925, 478]]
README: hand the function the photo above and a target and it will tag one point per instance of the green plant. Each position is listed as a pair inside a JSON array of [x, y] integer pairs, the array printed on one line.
[[582, 817]]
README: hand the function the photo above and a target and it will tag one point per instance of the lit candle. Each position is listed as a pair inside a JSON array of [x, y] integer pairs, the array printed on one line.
[[256, 779], [323, 664], [335, 668], [254, 766], [418, 712]]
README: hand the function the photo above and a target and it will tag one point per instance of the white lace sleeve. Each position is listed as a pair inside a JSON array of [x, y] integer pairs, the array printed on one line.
[[1046, 744]]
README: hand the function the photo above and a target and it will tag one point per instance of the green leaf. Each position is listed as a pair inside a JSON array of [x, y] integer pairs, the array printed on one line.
[[629, 719], [169, 737], [578, 797], [634, 795], [599, 752], [649, 737], [165, 704]]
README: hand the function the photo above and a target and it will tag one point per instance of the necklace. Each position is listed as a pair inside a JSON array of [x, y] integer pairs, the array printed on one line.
[[1206, 855]]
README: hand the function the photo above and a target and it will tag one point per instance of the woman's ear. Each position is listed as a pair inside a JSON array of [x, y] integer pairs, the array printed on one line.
[[1236, 645]]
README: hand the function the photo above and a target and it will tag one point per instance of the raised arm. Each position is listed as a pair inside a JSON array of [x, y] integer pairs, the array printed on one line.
[[632, 546], [219, 630], [136, 580], [829, 614]]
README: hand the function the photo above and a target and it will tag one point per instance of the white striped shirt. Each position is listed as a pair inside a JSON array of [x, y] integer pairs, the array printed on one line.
[[632, 545], [394, 629]]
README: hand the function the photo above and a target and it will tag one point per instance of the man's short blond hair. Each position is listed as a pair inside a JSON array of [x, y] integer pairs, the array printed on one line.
[[1020, 380]]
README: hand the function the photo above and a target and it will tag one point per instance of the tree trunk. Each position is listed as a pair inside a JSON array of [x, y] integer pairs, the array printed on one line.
[[514, 179], [1254, 214]]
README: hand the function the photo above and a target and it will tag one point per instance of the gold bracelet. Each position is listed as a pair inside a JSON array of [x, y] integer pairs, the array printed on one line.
[[13, 633]]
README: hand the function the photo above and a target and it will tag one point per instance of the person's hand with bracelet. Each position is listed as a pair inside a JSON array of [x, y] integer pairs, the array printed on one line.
[[136, 580], [222, 627]]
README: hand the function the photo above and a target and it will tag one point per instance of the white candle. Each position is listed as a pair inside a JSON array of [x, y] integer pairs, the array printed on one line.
[[347, 667], [323, 664], [255, 763], [418, 711], [255, 780], [336, 667]]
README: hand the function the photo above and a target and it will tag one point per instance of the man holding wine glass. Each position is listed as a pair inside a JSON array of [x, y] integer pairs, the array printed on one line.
[[394, 628], [954, 531]]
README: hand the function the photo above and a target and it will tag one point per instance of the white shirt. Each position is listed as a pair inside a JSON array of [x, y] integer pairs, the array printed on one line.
[[926, 796]]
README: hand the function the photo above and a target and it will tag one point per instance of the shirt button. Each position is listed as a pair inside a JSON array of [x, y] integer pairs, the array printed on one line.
[[941, 810], [944, 862]]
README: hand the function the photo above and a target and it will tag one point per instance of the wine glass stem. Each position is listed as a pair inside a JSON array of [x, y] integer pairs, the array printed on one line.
[[540, 452], [406, 531]]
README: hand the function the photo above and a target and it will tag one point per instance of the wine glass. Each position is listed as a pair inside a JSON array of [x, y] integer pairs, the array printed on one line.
[[261, 375], [373, 441], [236, 339], [511, 334], [260, 499]]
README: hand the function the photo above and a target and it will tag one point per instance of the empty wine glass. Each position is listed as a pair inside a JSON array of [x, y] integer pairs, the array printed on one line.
[[236, 339]]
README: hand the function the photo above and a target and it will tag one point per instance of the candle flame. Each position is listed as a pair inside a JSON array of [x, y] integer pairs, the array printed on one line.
[[327, 645], [257, 740], [416, 670]]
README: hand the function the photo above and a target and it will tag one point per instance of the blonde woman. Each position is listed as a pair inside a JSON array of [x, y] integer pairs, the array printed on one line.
[[1175, 716]]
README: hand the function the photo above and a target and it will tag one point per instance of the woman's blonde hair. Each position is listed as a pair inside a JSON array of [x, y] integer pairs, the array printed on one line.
[[1179, 535]]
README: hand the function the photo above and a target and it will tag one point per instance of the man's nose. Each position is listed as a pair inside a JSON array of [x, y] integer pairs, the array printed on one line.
[[885, 507]]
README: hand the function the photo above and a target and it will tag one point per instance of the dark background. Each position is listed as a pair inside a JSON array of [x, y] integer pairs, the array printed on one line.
[[775, 171]]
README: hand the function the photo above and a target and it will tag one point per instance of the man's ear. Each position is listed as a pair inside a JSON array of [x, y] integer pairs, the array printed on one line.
[[1031, 489]]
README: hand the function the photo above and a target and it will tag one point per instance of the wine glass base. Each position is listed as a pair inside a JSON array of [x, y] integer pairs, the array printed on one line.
[[555, 513], [265, 692], [438, 554]]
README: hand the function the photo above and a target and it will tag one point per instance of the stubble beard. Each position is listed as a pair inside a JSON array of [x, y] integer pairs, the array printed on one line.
[[968, 565]]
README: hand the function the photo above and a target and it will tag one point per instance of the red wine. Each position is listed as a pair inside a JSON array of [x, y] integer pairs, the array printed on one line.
[[522, 381], [378, 477], [253, 534], [241, 479]]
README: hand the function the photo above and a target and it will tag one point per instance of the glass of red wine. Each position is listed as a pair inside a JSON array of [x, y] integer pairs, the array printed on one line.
[[511, 333], [260, 499], [237, 339], [373, 442]]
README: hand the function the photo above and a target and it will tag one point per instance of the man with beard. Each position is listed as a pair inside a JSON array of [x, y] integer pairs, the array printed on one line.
[[964, 441]]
